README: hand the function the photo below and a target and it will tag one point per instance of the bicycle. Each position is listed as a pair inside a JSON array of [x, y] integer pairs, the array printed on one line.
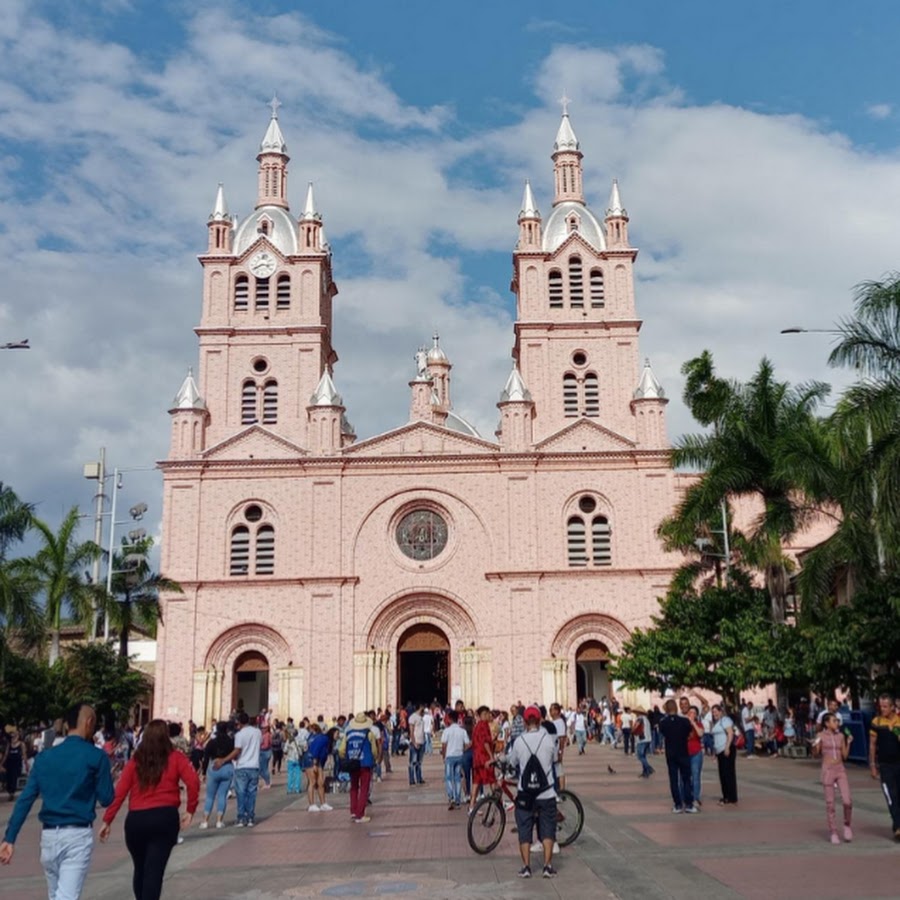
[[488, 820]]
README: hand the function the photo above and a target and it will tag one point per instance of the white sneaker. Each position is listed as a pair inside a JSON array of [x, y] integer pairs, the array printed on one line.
[[326, 808], [204, 826], [313, 808], [555, 848], [536, 847], [220, 824]]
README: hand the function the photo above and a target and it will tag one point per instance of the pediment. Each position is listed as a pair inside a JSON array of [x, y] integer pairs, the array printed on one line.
[[420, 439], [575, 241], [261, 243], [254, 442], [584, 435]]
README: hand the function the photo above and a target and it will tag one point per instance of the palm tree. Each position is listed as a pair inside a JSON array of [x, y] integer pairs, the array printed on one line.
[[15, 518], [136, 591], [59, 567]]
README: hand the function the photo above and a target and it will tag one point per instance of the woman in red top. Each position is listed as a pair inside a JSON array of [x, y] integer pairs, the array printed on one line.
[[695, 751], [482, 754], [151, 781]]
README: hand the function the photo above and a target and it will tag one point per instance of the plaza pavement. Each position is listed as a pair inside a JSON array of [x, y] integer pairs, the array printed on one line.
[[772, 845]]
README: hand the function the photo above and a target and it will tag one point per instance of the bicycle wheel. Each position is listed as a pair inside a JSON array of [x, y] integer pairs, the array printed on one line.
[[486, 824], [569, 818]]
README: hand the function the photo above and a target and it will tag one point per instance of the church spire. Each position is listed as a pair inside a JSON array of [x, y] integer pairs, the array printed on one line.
[[311, 231], [220, 224], [529, 222], [273, 159], [616, 219], [567, 161]]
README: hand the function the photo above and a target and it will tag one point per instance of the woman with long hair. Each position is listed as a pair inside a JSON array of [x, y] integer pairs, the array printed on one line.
[[151, 780], [218, 781]]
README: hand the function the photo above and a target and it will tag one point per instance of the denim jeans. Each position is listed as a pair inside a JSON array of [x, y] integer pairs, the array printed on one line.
[[696, 769], [609, 733], [627, 741], [428, 744], [66, 857], [217, 783], [452, 776], [265, 757], [680, 781], [415, 764], [295, 779], [643, 747], [246, 782], [581, 740], [750, 738]]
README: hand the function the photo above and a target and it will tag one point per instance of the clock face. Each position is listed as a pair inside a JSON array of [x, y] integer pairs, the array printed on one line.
[[422, 534], [263, 264]]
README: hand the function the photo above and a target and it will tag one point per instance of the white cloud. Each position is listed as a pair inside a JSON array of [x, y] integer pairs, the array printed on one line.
[[747, 222], [879, 111]]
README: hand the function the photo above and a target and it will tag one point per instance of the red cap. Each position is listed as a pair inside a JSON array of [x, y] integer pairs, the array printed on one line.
[[532, 713]]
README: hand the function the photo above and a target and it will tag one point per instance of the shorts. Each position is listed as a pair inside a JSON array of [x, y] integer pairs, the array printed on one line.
[[544, 815], [560, 770]]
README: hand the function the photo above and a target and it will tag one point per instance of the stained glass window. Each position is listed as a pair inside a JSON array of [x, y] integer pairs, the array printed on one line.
[[422, 534]]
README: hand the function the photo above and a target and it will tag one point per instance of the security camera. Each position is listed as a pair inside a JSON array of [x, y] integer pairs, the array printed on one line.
[[137, 511]]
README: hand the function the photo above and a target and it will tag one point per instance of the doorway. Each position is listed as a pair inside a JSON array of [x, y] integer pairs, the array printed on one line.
[[591, 675], [250, 691], [423, 665]]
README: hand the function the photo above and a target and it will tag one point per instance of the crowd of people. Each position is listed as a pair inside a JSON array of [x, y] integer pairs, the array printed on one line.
[[74, 766]]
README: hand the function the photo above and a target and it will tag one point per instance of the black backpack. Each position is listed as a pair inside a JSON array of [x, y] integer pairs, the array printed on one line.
[[534, 780]]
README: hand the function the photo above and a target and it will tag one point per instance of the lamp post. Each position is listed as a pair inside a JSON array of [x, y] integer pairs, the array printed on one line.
[[879, 542], [96, 471], [702, 543]]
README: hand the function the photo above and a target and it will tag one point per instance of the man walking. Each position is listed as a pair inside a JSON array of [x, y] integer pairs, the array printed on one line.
[[749, 726], [884, 752], [454, 743], [416, 745], [71, 778], [246, 769], [676, 730]]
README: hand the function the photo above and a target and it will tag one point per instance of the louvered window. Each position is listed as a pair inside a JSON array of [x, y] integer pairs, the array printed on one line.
[[248, 403], [265, 550], [570, 395], [262, 294], [576, 282], [598, 299], [555, 284], [591, 395], [270, 403], [241, 293], [577, 547], [601, 544], [239, 563], [283, 293]]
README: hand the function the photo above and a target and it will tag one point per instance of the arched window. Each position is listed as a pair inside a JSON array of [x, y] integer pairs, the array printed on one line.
[[262, 294], [265, 550], [283, 292], [577, 547], [555, 284], [248, 402], [598, 300], [576, 282], [570, 395], [591, 395], [241, 293], [601, 542], [270, 402], [239, 560]]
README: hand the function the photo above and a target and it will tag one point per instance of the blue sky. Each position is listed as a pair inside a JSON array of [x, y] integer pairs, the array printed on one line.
[[756, 147]]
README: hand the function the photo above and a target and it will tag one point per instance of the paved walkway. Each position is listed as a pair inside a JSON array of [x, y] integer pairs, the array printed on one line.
[[772, 845]]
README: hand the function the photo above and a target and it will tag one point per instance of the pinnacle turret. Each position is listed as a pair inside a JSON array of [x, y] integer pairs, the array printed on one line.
[[615, 207], [649, 387], [188, 396], [529, 207], [310, 213], [326, 393], [220, 208], [565, 136], [515, 390], [273, 140]]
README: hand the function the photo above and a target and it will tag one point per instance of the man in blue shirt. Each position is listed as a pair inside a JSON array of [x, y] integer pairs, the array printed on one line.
[[71, 778]]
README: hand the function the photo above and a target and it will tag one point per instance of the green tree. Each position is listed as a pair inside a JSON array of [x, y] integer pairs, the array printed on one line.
[[32, 691], [718, 638], [59, 568], [96, 673]]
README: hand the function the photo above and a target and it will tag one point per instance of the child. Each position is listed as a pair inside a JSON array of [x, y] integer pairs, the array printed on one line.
[[790, 729], [834, 746]]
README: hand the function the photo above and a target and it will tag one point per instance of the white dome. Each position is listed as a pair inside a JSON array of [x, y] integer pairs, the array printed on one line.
[[557, 228], [458, 423], [282, 233]]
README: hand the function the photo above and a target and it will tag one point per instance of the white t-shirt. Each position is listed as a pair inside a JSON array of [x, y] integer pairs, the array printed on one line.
[[247, 740], [579, 722], [627, 719], [747, 718], [543, 747], [454, 740], [416, 730], [428, 723]]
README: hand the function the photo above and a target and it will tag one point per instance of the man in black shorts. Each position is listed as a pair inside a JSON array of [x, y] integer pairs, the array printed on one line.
[[535, 752]]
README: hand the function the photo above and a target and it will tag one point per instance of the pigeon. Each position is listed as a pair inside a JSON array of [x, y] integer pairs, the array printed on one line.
[[611, 770]]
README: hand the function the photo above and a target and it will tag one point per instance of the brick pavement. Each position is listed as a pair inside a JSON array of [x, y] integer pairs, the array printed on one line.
[[772, 845]]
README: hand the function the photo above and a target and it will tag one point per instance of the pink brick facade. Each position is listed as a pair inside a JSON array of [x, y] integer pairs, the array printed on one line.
[[582, 438]]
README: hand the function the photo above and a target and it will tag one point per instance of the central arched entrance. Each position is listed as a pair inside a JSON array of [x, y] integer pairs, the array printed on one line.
[[591, 675], [423, 670], [250, 687]]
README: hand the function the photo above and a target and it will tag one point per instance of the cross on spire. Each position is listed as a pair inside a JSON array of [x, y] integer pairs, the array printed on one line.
[[274, 103], [565, 103]]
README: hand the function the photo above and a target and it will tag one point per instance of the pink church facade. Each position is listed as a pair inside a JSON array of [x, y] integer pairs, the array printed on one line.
[[322, 573]]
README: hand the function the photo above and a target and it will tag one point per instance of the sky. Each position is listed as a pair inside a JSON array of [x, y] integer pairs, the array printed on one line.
[[756, 147]]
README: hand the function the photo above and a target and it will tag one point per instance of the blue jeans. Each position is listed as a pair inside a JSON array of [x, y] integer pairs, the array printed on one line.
[[643, 748], [66, 858], [415, 764], [581, 740], [265, 757], [696, 769], [627, 741], [452, 776], [295, 779], [609, 733], [750, 738], [680, 781], [217, 783], [428, 746], [246, 782]]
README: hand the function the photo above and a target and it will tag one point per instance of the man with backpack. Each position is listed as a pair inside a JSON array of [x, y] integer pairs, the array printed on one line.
[[358, 752], [535, 752]]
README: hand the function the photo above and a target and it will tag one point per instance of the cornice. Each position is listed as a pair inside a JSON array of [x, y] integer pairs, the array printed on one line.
[[253, 330], [568, 325], [241, 582], [580, 572]]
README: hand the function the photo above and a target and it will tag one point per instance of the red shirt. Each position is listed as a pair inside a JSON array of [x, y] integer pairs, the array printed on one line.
[[695, 745], [165, 793]]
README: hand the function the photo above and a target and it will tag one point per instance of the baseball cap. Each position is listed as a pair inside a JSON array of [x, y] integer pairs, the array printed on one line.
[[532, 713]]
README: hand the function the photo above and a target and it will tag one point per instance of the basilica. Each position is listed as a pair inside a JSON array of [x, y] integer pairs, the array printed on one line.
[[328, 572]]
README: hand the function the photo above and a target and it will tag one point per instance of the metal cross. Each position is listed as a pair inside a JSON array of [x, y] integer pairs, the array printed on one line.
[[274, 103], [565, 103]]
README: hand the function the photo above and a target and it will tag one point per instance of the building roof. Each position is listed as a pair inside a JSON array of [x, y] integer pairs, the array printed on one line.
[[188, 396], [282, 233], [649, 387], [557, 228]]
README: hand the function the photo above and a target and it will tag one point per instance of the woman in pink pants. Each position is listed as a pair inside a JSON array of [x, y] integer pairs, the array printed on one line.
[[834, 746]]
